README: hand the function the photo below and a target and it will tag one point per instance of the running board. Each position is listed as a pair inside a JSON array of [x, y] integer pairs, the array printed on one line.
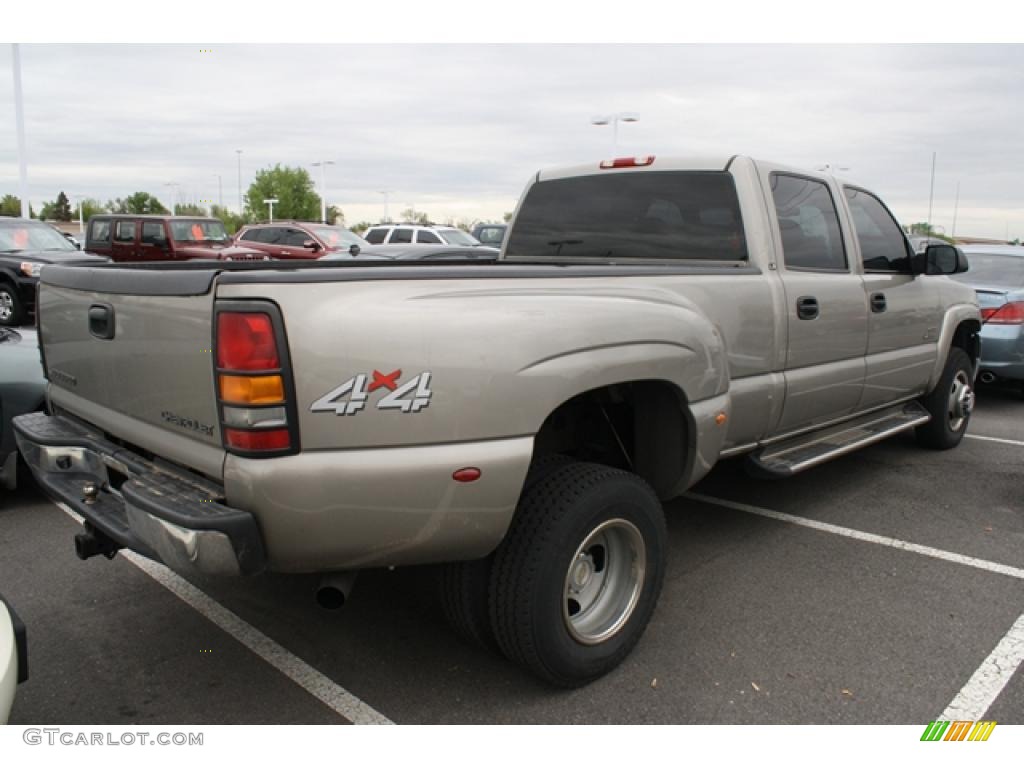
[[800, 453]]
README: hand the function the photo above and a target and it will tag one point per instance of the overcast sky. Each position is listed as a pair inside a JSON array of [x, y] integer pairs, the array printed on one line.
[[456, 131]]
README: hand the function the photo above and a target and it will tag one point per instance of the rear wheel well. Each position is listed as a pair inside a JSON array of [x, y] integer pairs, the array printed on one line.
[[640, 426]]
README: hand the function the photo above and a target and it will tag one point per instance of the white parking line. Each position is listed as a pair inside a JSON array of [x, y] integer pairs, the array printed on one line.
[[1003, 440], [907, 546], [285, 662], [990, 678]]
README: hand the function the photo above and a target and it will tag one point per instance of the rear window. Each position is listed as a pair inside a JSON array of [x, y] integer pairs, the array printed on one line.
[[648, 215]]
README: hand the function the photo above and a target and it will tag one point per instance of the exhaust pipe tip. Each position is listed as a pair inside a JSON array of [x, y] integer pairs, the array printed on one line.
[[334, 589]]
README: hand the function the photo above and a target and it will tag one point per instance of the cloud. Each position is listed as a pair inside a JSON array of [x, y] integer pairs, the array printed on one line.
[[464, 127]]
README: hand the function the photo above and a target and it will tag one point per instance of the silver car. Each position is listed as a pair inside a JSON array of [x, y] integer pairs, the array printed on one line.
[[997, 275]]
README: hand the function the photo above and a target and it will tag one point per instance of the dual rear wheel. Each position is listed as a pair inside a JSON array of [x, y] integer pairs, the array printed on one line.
[[573, 585]]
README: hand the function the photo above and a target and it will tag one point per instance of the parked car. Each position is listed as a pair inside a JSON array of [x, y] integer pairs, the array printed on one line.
[[13, 657], [22, 390], [130, 237], [518, 420], [997, 276], [421, 253], [490, 234], [300, 239], [418, 234], [25, 247]]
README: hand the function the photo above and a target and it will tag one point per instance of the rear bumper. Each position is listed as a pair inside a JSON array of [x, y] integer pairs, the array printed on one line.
[[151, 508], [1002, 351]]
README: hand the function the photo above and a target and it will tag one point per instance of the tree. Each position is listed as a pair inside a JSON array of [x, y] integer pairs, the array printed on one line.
[[63, 212], [507, 217], [90, 207], [140, 202], [335, 215], [410, 215], [48, 212], [10, 205], [189, 209], [292, 188], [361, 227]]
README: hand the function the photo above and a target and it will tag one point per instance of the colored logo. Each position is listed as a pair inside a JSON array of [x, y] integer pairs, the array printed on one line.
[[958, 730]]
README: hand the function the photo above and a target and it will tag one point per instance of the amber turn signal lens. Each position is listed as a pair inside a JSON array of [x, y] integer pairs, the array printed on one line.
[[251, 390]]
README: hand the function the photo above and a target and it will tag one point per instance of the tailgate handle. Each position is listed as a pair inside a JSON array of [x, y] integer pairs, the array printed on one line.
[[101, 321]]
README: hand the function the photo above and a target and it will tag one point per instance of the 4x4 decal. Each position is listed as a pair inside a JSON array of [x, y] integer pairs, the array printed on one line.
[[351, 396]]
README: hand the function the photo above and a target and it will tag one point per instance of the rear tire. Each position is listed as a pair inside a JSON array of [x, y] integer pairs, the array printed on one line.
[[577, 577], [12, 312], [465, 586], [950, 404]]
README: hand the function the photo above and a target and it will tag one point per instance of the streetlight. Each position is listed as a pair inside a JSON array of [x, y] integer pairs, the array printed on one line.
[[323, 188], [386, 193], [239, 181], [19, 122], [220, 191], [614, 120], [270, 201], [829, 168], [174, 195]]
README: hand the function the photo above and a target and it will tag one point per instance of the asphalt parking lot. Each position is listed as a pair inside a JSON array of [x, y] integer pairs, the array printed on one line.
[[763, 619]]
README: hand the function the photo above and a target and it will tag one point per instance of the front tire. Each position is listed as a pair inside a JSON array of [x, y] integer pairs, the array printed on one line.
[[578, 575], [950, 404], [12, 312]]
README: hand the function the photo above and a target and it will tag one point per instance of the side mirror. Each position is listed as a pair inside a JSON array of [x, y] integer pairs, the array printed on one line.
[[944, 260], [354, 249], [311, 245]]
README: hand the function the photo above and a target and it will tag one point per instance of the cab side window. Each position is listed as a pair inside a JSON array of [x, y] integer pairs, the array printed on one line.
[[882, 244], [809, 224], [426, 236], [99, 231], [124, 232], [294, 238], [153, 233]]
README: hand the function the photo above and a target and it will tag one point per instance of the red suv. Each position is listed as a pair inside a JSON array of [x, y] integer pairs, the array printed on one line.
[[130, 237], [300, 239]]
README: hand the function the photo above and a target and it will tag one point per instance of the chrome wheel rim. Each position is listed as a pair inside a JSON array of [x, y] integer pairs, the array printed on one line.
[[603, 581], [961, 401], [6, 305]]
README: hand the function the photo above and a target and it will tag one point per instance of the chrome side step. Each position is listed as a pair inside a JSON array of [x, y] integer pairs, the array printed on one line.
[[792, 456]]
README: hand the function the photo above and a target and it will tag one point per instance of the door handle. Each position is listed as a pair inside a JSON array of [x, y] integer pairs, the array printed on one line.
[[101, 321], [807, 307], [878, 302]]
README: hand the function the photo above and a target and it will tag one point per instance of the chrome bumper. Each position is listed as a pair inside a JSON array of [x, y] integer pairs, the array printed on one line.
[[156, 510]]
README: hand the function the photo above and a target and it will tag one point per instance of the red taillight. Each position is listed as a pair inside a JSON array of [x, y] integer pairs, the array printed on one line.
[[266, 440], [628, 162], [1008, 314], [245, 342]]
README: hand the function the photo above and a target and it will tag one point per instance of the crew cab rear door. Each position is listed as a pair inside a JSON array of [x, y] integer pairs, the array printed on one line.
[[826, 309]]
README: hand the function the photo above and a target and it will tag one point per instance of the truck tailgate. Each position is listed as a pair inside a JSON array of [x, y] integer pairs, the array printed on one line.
[[134, 359]]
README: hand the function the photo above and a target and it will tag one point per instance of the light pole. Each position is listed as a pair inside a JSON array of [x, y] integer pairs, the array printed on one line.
[[386, 193], [174, 194], [19, 121], [931, 194], [956, 206], [270, 201], [323, 188], [220, 191], [829, 168], [614, 120], [239, 181]]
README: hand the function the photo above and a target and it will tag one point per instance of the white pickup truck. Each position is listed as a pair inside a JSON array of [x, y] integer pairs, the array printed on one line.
[[520, 420]]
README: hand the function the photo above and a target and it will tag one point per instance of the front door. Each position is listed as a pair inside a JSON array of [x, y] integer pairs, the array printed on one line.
[[905, 317], [826, 310]]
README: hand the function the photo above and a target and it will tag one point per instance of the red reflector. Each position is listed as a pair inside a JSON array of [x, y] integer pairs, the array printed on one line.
[[466, 475], [266, 440], [245, 342], [628, 162], [1008, 314]]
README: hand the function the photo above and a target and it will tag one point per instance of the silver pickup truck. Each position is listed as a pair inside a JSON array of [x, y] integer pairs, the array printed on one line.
[[517, 421]]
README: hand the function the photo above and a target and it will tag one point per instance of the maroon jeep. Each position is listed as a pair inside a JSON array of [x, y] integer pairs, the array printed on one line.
[[132, 237]]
